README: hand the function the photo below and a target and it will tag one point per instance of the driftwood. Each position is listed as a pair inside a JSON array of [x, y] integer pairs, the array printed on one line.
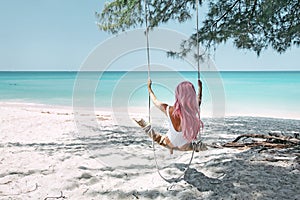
[[269, 141]]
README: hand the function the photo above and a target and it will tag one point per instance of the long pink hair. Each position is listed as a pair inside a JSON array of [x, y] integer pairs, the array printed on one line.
[[186, 107]]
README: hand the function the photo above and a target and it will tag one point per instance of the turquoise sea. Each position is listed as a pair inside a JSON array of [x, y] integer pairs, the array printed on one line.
[[234, 93]]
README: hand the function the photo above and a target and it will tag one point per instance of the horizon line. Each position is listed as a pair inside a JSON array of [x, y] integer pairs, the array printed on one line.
[[151, 71]]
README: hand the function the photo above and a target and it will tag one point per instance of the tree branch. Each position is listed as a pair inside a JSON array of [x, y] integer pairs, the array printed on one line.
[[220, 18], [278, 138]]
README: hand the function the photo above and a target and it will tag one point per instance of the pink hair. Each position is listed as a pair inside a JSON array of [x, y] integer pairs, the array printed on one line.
[[186, 107]]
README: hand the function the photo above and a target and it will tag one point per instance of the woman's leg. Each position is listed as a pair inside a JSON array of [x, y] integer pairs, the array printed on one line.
[[157, 137], [164, 140]]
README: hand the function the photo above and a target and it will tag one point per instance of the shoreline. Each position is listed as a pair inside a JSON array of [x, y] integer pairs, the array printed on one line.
[[135, 111]]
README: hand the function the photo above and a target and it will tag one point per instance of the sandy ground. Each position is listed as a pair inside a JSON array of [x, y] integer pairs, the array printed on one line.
[[43, 155]]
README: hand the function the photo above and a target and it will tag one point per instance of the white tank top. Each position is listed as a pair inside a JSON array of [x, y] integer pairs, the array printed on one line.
[[174, 136]]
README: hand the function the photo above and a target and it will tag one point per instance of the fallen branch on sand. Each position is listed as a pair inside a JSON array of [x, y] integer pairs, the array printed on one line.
[[271, 141], [59, 197]]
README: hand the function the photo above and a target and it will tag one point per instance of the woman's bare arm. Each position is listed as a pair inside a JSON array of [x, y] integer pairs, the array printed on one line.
[[161, 106]]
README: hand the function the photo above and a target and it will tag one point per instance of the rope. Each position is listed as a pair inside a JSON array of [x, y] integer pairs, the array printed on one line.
[[148, 54], [198, 48], [148, 129], [197, 38], [172, 180]]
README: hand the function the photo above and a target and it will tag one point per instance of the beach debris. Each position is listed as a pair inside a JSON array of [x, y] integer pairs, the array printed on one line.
[[269, 141], [46, 112], [59, 197], [135, 194], [85, 191]]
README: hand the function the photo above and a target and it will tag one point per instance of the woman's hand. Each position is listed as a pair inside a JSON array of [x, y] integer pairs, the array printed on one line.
[[149, 84], [157, 103], [199, 92], [199, 83]]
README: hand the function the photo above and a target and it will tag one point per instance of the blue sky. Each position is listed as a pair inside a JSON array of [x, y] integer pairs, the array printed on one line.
[[59, 34]]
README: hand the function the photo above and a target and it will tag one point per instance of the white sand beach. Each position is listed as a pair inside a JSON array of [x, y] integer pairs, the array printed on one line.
[[44, 157]]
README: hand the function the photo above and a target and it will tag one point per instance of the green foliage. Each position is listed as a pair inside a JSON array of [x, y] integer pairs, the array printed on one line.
[[250, 24], [121, 15], [253, 24]]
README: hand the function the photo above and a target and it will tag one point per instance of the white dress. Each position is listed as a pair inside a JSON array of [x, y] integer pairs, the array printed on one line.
[[174, 136]]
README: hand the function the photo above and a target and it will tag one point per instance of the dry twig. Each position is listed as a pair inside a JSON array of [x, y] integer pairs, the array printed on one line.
[[59, 197]]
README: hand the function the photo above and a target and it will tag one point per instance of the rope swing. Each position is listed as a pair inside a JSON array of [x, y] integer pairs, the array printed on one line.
[[177, 179], [148, 53]]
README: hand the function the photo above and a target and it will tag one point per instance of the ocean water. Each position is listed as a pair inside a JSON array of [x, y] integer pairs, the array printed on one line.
[[224, 93]]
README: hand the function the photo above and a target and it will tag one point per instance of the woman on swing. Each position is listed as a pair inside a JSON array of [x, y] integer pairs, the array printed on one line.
[[183, 118]]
